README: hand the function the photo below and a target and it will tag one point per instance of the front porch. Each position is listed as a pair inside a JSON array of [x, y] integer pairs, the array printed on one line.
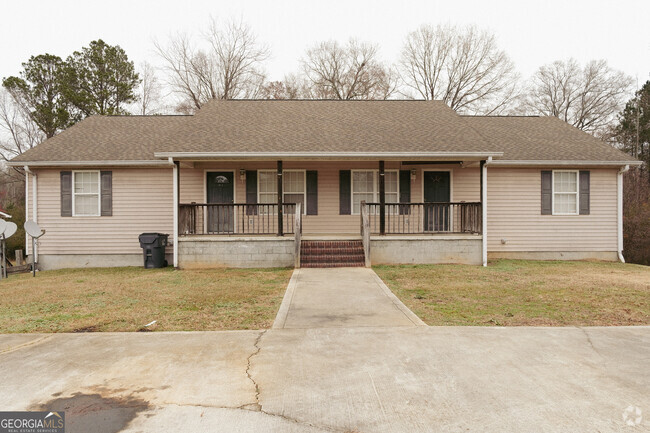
[[262, 213]]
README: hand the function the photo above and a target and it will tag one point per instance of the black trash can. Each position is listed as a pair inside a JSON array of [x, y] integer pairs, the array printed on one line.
[[153, 249]]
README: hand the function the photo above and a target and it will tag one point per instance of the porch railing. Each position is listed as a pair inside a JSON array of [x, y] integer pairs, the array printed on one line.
[[420, 218], [236, 219]]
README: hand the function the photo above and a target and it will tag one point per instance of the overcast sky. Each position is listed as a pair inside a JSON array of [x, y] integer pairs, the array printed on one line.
[[532, 33]]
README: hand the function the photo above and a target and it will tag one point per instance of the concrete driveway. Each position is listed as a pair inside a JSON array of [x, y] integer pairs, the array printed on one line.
[[366, 379]]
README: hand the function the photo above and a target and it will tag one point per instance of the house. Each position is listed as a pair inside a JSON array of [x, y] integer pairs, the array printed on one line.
[[324, 183]]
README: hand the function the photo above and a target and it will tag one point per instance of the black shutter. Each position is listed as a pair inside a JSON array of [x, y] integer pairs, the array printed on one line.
[[404, 191], [251, 191], [106, 184], [344, 192], [66, 193], [547, 192], [312, 192], [584, 193]]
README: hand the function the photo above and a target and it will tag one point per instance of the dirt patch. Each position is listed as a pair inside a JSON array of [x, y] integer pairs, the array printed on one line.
[[95, 412], [93, 328]]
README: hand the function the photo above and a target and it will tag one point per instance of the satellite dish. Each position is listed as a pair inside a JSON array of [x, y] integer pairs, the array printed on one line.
[[10, 230], [3, 226], [33, 229]]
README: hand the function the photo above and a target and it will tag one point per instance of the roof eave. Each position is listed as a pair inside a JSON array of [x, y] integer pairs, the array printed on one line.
[[529, 163], [326, 155], [113, 163]]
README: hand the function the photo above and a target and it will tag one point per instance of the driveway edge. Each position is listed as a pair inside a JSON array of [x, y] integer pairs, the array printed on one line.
[[395, 300], [283, 312]]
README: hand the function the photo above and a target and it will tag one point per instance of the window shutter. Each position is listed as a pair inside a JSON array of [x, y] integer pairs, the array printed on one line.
[[404, 190], [547, 192], [66, 193], [106, 185], [251, 191], [312, 192], [584, 193], [344, 192]]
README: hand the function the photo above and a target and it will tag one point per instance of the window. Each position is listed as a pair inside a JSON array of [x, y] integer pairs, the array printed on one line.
[[565, 192], [365, 187], [293, 187], [85, 197]]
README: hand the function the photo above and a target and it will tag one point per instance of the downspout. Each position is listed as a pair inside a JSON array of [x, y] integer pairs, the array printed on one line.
[[34, 207], [619, 213], [175, 173], [484, 209]]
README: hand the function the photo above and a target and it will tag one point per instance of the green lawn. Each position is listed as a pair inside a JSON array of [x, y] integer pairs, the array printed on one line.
[[517, 293], [125, 299]]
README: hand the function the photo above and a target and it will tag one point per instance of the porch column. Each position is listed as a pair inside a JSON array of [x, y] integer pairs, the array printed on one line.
[[176, 191], [382, 199], [280, 224]]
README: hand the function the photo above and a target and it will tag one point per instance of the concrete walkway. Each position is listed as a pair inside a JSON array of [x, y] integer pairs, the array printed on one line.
[[401, 379], [341, 297]]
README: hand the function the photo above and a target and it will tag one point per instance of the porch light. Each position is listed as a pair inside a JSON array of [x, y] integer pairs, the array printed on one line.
[[242, 174], [413, 173]]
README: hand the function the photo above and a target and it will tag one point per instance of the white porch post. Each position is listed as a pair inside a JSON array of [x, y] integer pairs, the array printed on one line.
[[175, 192], [619, 211], [484, 209]]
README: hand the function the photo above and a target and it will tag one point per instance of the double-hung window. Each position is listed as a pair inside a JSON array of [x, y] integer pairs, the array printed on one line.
[[565, 192], [293, 187], [85, 193], [365, 187]]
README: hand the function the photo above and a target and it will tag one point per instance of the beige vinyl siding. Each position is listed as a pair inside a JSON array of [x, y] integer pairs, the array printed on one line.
[[142, 202], [465, 187], [514, 214]]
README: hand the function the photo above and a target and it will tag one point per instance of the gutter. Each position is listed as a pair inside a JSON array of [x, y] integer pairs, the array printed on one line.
[[154, 163], [34, 205], [563, 163], [284, 155], [619, 211]]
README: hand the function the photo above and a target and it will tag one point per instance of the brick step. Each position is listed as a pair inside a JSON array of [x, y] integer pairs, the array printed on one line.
[[329, 258], [332, 265], [332, 244], [331, 254], [324, 250]]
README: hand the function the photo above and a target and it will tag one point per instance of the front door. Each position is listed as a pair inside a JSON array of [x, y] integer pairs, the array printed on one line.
[[220, 191], [436, 190]]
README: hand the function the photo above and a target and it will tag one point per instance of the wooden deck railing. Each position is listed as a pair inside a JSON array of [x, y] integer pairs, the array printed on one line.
[[420, 218], [236, 219]]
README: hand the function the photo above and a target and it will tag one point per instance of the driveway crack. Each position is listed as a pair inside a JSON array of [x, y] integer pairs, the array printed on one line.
[[256, 406]]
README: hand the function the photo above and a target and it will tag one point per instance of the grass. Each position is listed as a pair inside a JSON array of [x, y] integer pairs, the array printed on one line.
[[519, 293], [125, 299]]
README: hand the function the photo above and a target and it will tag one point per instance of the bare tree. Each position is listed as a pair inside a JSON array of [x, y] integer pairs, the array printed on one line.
[[463, 67], [149, 92], [18, 132], [346, 72], [229, 67], [587, 97]]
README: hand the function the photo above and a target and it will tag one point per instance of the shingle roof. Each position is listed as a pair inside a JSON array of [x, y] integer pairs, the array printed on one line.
[[542, 138], [327, 126], [256, 126], [107, 138]]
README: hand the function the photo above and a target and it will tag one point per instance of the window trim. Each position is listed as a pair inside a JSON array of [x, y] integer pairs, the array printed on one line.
[[375, 186], [99, 193], [304, 185], [577, 193]]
